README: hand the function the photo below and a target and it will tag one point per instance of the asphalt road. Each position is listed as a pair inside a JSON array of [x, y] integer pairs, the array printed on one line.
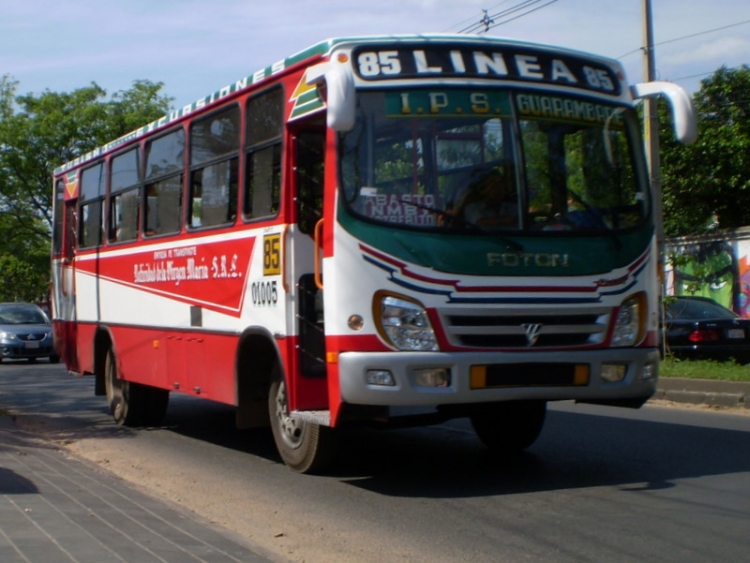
[[600, 485]]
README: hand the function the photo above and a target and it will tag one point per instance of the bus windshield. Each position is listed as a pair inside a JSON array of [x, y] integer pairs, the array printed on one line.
[[493, 160]]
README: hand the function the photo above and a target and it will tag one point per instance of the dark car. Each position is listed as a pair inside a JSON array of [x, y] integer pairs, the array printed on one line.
[[25, 333], [700, 328]]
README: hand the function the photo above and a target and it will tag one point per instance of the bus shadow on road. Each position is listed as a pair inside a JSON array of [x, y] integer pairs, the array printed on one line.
[[214, 423], [574, 451]]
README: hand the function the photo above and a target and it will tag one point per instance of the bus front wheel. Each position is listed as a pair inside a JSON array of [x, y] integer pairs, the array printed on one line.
[[304, 447], [133, 404], [509, 426]]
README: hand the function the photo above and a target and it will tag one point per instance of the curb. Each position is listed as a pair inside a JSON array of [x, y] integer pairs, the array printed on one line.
[[730, 394]]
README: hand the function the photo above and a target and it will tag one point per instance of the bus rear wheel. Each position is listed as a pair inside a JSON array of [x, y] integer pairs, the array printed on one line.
[[511, 426], [133, 404], [304, 447]]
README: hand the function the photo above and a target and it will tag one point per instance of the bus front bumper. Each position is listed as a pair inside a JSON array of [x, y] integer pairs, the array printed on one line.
[[613, 376]]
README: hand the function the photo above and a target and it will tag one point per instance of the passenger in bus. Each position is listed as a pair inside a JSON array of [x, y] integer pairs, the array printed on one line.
[[491, 201]]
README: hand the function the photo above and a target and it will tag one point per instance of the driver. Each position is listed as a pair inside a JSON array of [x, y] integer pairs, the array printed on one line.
[[491, 201]]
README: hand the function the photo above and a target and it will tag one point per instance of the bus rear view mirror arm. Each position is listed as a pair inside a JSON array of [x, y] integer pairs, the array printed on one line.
[[683, 111], [340, 86]]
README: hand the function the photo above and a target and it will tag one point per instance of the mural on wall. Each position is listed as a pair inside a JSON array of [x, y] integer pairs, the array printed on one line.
[[717, 267]]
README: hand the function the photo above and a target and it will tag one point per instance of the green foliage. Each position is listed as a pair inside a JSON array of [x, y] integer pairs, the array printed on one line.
[[38, 133], [704, 369], [710, 180], [21, 281]]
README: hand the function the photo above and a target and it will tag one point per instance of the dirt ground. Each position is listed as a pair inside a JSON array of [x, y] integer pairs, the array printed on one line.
[[265, 520]]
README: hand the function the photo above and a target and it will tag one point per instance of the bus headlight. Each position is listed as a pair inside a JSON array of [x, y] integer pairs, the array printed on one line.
[[630, 322], [404, 324]]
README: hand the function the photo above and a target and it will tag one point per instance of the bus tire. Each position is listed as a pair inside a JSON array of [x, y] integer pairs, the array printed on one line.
[[133, 404], [509, 426], [155, 402], [303, 446]]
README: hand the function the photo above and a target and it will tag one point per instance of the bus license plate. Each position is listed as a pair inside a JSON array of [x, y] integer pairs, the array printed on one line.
[[736, 333]]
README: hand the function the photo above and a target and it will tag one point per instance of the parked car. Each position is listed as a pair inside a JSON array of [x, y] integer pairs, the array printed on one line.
[[25, 333], [700, 328]]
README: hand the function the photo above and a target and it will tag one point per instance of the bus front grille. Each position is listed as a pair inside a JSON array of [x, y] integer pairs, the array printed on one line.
[[505, 329]]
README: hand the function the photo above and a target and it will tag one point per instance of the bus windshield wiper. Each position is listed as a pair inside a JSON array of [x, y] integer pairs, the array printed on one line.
[[450, 217]]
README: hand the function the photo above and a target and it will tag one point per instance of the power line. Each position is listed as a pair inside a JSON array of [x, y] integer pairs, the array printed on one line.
[[686, 37], [699, 75], [488, 21], [527, 13], [476, 26], [463, 22], [691, 76]]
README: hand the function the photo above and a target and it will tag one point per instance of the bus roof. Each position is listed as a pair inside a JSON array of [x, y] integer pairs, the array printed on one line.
[[316, 51]]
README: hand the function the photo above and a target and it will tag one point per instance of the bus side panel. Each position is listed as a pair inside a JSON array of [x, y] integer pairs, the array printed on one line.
[[85, 347], [141, 355], [304, 393], [334, 393], [65, 340], [192, 363]]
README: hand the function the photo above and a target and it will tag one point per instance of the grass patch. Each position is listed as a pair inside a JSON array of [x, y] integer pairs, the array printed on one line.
[[704, 369]]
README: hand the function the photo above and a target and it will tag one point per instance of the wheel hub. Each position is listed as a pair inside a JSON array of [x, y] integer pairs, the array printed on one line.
[[291, 428]]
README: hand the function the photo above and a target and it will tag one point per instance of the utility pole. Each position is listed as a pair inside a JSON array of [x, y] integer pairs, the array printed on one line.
[[651, 132]]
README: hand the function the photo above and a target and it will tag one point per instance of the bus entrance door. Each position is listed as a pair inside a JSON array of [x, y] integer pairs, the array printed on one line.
[[310, 388], [64, 298]]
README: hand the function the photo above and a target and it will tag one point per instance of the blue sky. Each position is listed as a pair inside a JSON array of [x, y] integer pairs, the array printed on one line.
[[197, 46]]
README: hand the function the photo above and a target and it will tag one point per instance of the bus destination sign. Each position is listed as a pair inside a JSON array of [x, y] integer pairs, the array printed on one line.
[[512, 62]]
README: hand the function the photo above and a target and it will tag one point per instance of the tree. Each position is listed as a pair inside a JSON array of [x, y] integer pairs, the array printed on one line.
[[709, 181], [21, 280], [38, 133]]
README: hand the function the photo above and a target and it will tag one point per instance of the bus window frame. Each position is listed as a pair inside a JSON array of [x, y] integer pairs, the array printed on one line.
[[84, 202], [248, 150], [58, 218], [228, 157], [149, 181], [113, 194]]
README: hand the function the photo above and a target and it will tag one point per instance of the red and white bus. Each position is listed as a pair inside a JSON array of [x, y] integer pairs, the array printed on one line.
[[320, 244]]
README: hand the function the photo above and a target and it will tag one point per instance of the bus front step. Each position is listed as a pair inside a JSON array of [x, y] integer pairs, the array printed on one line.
[[321, 418]]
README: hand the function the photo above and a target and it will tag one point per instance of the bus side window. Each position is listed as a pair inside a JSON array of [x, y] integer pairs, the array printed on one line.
[[265, 125], [164, 174], [92, 199], [91, 224], [213, 194], [123, 203], [164, 206], [263, 185], [58, 218], [214, 146], [124, 216], [71, 231]]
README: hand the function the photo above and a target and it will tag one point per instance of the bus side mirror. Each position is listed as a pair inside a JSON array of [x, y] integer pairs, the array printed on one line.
[[341, 99], [683, 111]]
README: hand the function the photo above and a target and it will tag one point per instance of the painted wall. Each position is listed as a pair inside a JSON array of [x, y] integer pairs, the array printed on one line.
[[719, 269]]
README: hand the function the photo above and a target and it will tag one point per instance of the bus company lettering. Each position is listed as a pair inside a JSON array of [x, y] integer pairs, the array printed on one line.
[[565, 108], [169, 271], [540, 259]]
